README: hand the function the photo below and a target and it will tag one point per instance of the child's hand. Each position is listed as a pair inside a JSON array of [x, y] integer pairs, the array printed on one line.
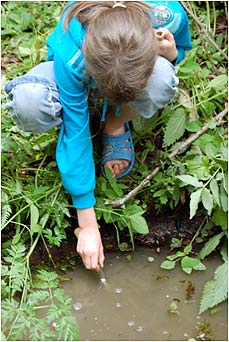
[[89, 245], [166, 44], [90, 248]]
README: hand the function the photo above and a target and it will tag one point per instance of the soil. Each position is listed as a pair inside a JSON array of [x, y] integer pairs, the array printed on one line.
[[163, 228]]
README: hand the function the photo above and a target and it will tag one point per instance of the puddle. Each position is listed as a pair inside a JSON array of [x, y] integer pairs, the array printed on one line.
[[141, 301]]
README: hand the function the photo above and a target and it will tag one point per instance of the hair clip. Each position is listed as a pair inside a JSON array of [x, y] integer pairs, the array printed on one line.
[[119, 4]]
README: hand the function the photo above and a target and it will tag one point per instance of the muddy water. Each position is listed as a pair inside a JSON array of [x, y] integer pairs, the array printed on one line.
[[137, 302]]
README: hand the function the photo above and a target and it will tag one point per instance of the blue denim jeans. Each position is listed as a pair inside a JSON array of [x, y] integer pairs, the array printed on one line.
[[35, 105]]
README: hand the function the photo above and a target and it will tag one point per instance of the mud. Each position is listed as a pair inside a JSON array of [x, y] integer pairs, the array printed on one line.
[[162, 229]]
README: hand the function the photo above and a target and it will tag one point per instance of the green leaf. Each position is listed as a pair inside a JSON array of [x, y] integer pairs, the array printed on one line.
[[219, 82], [36, 228], [175, 256], [133, 214], [220, 218], [199, 166], [189, 67], [47, 279], [16, 238], [224, 252], [215, 291], [199, 267], [113, 182], [210, 245], [195, 199], [215, 191], [207, 200], [6, 210], [123, 246], [188, 249], [193, 126], [223, 198], [188, 264], [190, 180], [175, 127], [168, 265], [34, 216], [139, 224]]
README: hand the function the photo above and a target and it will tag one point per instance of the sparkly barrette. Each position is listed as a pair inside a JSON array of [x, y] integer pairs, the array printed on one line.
[[119, 4]]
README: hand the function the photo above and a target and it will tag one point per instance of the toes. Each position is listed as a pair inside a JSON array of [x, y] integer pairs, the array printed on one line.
[[116, 170], [117, 166]]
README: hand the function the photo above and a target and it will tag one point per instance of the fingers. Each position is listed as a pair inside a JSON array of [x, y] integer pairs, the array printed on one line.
[[93, 262], [101, 257], [159, 34], [163, 33]]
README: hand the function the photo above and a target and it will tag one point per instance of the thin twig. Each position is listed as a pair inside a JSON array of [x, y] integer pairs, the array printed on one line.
[[203, 29], [186, 143]]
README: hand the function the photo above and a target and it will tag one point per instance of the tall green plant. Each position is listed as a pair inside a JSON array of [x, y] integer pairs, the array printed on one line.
[[24, 300]]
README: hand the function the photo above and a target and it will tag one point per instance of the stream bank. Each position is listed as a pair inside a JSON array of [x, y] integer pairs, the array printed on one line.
[[163, 227]]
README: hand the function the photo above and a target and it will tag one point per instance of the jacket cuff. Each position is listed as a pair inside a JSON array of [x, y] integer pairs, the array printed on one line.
[[84, 201]]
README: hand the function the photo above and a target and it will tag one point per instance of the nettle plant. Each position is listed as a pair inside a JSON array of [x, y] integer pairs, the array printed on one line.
[[201, 170]]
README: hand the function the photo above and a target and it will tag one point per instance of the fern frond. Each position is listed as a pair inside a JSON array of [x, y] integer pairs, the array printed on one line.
[[6, 212], [215, 291]]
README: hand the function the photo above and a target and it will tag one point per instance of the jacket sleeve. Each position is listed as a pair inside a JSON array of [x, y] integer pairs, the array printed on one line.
[[171, 15], [183, 39], [74, 151]]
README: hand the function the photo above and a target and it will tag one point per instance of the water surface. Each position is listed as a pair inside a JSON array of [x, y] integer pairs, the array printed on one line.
[[143, 302]]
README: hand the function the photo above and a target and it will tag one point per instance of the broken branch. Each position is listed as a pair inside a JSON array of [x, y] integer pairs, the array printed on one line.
[[186, 143]]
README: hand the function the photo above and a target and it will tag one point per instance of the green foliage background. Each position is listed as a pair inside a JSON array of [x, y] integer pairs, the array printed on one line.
[[35, 206]]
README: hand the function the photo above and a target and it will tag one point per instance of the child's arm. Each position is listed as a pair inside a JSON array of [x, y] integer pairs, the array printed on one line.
[[75, 160], [89, 245], [171, 15], [166, 44]]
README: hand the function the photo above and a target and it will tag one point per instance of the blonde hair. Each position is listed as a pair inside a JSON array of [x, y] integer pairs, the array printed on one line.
[[120, 46]]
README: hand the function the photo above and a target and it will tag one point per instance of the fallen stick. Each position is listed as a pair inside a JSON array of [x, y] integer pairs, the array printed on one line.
[[186, 143]]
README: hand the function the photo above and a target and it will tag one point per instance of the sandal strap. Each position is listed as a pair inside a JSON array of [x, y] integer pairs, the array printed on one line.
[[119, 154], [120, 147]]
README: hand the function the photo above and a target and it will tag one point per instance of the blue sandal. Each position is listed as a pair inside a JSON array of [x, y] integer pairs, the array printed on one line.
[[117, 150]]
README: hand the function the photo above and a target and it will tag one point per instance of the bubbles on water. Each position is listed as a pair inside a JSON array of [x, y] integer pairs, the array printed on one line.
[[77, 306], [54, 325], [150, 259], [118, 305], [139, 329], [165, 332], [131, 323], [118, 290]]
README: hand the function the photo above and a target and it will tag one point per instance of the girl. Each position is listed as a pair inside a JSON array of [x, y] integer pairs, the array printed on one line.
[[116, 47]]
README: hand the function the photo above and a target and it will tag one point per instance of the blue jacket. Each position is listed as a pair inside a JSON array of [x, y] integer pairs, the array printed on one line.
[[74, 151]]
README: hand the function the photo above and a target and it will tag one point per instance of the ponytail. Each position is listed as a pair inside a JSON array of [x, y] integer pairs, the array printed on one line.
[[120, 47], [88, 11]]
